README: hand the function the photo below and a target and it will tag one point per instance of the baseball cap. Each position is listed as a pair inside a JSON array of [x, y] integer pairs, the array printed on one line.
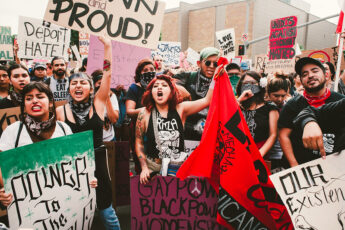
[[307, 60], [208, 51], [244, 66], [40, 65]]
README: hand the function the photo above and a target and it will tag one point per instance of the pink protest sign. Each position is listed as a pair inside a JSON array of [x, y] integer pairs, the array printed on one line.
[[169, 203], [124, 61]]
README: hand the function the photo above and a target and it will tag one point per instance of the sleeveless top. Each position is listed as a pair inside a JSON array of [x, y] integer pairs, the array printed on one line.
[[95, 124], [170, 131]]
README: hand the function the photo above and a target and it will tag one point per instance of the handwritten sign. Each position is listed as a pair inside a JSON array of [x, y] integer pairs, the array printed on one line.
[[6, 44], [124, 61], [314, 193], [49, 181], [135, 22], [8, 116], [170, 52], [226, 40], [84, 43], [168, 203], [264, 65], [40, 39], [282, 38]]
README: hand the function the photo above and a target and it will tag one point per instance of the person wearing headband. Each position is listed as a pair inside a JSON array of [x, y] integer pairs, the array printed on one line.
[[85, 111]]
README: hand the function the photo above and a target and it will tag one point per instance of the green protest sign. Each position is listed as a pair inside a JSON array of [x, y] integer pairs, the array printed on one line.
[[49, 181], [6, 44]]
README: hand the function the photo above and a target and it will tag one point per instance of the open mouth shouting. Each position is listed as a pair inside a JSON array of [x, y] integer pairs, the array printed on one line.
[[79, 93], [159, 95], [36, 108]]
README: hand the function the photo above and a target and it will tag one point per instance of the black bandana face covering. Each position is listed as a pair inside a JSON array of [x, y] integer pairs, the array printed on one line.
[[146, 78]]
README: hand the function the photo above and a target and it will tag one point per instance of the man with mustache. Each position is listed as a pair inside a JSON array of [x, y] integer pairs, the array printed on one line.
[[312, 75], [58, 82]]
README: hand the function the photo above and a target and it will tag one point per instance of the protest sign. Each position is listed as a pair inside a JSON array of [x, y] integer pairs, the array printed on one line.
[[76, 53], [324, 55], [169, 203], [190, 146], [226, 40], [135, 22], [236, 60], [282, 38], [314, 193], [192, 56], [40, 39], [49, 181], [8, 116], [84, 42], [6, 44], [124, 60], [170, 52], [262, 64]]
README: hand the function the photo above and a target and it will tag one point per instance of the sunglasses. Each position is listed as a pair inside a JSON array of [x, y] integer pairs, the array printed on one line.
[[208, 63]]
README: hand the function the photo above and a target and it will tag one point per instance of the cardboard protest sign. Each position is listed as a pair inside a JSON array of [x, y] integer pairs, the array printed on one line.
[[192, 56], [170, 52], [124, 61], [314, 193], [6, 44], [282, 38], [84, 42], [226, 40], [133, 22], [264, 65], [8, 116], [324, 55], [40, 39], [169, 203], [49, 181]]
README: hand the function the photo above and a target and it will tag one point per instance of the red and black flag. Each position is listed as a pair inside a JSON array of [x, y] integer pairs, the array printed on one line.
[[229, 158]]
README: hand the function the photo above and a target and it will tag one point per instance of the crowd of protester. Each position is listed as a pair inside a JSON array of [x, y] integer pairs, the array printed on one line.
[[286, 113]]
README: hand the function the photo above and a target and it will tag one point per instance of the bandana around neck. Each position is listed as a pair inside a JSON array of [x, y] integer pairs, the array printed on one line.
[[80, 110], [16, 97], [202, 84], [317, 101], [36, 127]]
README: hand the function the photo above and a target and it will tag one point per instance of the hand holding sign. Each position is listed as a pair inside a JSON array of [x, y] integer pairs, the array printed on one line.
[[5, 198]]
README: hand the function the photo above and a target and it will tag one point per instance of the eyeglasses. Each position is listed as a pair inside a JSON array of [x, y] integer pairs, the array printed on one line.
[[208, 63]]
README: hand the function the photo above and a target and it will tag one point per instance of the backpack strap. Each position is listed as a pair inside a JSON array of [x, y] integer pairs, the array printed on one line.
[[61, 126], [18, 135]]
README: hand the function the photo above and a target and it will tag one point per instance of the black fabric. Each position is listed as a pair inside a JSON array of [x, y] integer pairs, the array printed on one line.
[[188, 81], [330, 117], [6, 103], [135, 93], [173, 127], [258, 121], [18, 134], [289, 112], [95, 124]]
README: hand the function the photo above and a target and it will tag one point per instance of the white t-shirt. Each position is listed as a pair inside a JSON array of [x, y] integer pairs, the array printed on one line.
[[59, 88], [9, 136], [109, 134]]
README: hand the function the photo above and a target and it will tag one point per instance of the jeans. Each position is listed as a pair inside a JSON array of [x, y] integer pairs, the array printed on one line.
[[109, 218]]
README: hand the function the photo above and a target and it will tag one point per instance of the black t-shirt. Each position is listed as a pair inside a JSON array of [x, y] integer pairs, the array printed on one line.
[[6, 103], [289, 112], [135, 93], [258, 121]]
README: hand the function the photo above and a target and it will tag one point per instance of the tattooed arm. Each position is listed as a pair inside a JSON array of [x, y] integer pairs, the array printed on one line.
[[139, 146]]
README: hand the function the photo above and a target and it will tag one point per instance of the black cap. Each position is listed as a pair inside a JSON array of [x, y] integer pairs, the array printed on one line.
[[40, 65], [307, 60]]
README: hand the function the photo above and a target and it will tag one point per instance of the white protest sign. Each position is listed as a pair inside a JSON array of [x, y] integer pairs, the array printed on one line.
[[84, 43], [133, 22], [226, 40], [263, 64], [40, 39], [170, 52], [192, 56], [190, 146], [6, 44], [314, 193]]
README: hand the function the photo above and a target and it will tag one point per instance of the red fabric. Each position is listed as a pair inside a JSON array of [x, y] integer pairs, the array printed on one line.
[[229, 158], [317, 101], [340, 23]]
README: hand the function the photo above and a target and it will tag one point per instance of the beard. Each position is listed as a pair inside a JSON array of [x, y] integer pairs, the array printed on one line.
[[59, 72], [315, 89]]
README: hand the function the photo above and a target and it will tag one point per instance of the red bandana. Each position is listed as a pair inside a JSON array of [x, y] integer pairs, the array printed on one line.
[[317, 101]]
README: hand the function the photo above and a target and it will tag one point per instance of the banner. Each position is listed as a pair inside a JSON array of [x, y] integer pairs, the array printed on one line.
[[314, 193], [124, 60], [41, 39], [49, 181], [170, 52], [8, 116], [133, 22], [6, 44], [264, 65], [226, 40], [282, 38], [169, 203], [84, 43]]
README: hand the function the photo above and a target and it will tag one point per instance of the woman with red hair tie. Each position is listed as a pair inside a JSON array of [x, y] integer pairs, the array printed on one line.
[[159, 141]]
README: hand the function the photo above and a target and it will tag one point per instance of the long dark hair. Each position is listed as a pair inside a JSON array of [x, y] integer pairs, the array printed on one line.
[[41, 87], [140, 67], [258, 98], [277, 82], [173, 99]]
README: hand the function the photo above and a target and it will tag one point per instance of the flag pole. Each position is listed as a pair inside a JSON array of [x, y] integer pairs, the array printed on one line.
[[340, 55]]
